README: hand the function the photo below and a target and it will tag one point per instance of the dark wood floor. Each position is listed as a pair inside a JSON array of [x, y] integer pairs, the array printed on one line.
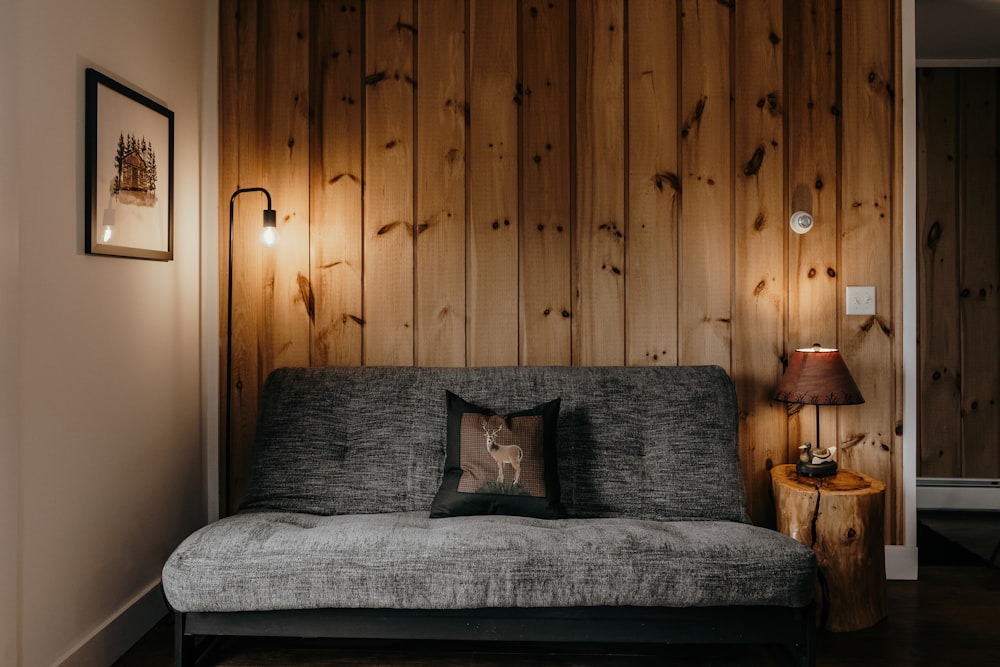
[[949, 616]]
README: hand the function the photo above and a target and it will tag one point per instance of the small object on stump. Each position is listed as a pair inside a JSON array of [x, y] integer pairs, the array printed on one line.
[[841, 518], [816, 463]]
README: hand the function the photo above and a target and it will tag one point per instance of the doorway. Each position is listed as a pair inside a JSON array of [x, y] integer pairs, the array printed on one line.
[[958, 254]]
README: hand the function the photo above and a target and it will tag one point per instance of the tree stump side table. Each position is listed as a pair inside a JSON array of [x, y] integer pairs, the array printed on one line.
[[840, 517]]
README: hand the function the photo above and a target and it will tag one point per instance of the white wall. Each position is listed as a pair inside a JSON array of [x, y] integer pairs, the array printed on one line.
[[111, 452], [9, 466]]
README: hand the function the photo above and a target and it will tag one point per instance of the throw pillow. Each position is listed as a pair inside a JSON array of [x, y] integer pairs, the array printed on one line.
[[500, 464]]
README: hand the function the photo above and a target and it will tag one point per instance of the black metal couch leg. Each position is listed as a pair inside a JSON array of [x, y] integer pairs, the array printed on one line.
[[805, 652], [183, 643]]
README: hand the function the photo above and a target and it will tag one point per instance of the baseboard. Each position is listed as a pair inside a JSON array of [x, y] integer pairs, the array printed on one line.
[[957, 494], [900, 562], [110, 641]]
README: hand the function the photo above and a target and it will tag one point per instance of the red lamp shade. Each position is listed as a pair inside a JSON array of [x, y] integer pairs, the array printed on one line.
[[818, 376]]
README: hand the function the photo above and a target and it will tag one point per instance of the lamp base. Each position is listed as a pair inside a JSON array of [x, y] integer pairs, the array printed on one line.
[[824, 469]]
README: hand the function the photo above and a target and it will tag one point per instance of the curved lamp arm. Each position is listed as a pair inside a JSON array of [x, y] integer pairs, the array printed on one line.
[[269, 237]]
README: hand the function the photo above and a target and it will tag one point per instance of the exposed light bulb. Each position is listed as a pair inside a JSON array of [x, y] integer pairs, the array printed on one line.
[[108, 232], [269, 236]]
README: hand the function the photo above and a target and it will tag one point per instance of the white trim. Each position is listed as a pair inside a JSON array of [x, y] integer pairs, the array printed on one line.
[[910, 250], [958, 481], [958, 62], [119, 632], [901, 562], [210, 259], [958, 494]]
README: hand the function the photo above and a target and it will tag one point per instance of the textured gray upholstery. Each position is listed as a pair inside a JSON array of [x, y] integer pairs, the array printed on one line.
[[644, 443], [277, 560], [347, 461]]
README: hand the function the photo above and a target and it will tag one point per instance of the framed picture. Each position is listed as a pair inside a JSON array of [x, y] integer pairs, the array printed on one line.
[[129, 172]]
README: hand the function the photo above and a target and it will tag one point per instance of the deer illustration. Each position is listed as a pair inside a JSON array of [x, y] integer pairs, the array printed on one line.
[[503, 453]]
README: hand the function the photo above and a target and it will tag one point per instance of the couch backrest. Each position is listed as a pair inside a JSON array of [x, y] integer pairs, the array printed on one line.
[[652, 442]]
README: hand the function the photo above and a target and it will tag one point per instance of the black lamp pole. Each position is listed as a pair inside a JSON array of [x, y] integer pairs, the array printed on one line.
[[270, 224]]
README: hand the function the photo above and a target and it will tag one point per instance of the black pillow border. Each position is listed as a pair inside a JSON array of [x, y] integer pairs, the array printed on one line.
[[450, 502]]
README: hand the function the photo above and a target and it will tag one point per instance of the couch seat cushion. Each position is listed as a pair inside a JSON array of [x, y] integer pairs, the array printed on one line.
[[274, 560]]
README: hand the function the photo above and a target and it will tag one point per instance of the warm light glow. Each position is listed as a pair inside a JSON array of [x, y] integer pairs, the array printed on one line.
[[108, 231], [269, 236], [817, 375]]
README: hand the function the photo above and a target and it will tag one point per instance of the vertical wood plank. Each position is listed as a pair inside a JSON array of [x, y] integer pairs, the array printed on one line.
[[812, 111], [284, 133], [336, 69], [653, 184], [440, 238], [388, 208], [759, 298], [600, 227], [493, 177], [867, 431], [239, 166], [940, 398], [546, 296], [706, 232], [980, 281]]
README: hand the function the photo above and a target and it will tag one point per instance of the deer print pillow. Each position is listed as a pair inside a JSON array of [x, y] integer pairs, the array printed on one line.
[[500, 464]]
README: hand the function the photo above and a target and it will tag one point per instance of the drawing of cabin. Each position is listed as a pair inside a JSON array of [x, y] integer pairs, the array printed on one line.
[[134, 176], [135, 171]]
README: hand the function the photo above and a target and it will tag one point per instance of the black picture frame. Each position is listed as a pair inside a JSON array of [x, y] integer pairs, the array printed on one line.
[[129, 212]]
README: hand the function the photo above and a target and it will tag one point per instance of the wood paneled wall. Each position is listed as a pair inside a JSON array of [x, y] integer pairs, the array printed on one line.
[[958, 125], [485, 182]]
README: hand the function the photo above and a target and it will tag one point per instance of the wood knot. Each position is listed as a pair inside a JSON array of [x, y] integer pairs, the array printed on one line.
[[668, 178], [753, 166], [934, 235]]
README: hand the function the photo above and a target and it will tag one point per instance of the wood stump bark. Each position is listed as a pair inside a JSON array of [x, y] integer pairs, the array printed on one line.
[[841, 518]]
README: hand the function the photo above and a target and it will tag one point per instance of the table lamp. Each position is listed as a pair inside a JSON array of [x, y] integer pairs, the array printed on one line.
[[817, 376]]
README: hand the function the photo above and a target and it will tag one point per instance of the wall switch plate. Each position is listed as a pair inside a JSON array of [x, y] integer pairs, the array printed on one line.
[[861, 300]]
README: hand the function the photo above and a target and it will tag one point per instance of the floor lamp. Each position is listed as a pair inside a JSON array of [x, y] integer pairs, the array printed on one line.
[[269, 237]]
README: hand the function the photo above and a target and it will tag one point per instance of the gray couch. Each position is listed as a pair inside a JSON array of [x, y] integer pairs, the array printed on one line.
[[335, 539]]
